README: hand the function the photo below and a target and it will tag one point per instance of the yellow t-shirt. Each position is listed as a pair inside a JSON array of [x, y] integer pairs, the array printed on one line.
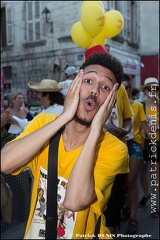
[[139, 116], [122, 109], [111, 159], [123, 105]]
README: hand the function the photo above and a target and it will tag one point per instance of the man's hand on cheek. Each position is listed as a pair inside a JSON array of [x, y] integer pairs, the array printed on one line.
[[105, 109], [72, 96]]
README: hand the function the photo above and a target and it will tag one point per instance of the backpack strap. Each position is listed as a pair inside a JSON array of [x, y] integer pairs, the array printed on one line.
[[97, 228], [51, 216]]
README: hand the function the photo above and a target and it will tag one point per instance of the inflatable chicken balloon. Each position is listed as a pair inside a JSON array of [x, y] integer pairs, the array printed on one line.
[[113, 23], [95, 26], [87, 3], [99, 39], [80, 36], [92, 19]]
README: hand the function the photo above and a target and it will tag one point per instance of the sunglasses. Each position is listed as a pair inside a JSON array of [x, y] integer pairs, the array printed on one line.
[[149, 89]]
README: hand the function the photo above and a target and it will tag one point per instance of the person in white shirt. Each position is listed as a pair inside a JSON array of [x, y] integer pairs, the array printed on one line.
[[70, 73], [49, 95], [15, 118]]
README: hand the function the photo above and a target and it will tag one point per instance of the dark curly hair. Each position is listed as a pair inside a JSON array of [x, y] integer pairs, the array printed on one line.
[[107, 61], [55, 97], [134, 92]]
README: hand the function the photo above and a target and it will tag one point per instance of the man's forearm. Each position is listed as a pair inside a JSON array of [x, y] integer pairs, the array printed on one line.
[[80, 189], [20, 151], [127, 124]]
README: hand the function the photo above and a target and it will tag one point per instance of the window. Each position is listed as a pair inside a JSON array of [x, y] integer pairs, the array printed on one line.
[[130, 31], [126, 12], [111, 5], [33, 21], [7, 71], [134, 23], [6, 26]]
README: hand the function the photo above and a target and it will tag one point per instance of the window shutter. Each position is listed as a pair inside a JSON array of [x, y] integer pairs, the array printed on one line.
[[37, 21], [9, 25], [30, 21], [37, 30], [33, 21], [112, 5]]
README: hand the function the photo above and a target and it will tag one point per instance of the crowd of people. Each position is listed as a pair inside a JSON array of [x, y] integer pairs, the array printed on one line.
[[105, 145]]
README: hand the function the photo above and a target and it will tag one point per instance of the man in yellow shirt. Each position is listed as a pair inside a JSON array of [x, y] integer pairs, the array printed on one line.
[[119, 124], [89, 157]]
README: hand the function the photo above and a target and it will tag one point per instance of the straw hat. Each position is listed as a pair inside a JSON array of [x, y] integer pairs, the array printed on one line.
[[149, 82], [46, 85]]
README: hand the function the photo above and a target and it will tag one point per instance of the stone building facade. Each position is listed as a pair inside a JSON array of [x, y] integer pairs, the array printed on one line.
[[29, 42]]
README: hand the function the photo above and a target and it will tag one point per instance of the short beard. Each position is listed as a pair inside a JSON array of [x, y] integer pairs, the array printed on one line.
[[82, 121]]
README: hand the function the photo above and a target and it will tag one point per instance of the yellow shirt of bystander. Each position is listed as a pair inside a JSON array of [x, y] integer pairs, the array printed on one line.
[[123, 105], [139, 116]]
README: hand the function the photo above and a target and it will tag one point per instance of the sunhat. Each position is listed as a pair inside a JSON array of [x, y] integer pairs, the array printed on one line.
[[151, 81], [94, 49], [46, 85]]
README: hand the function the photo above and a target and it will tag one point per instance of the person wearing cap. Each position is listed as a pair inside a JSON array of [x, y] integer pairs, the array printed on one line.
[[70, 74], [151, 150], [49, 95], [89, 157], [119, 124]]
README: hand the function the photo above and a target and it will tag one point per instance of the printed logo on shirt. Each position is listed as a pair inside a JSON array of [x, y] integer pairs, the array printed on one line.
[[66, 219]]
